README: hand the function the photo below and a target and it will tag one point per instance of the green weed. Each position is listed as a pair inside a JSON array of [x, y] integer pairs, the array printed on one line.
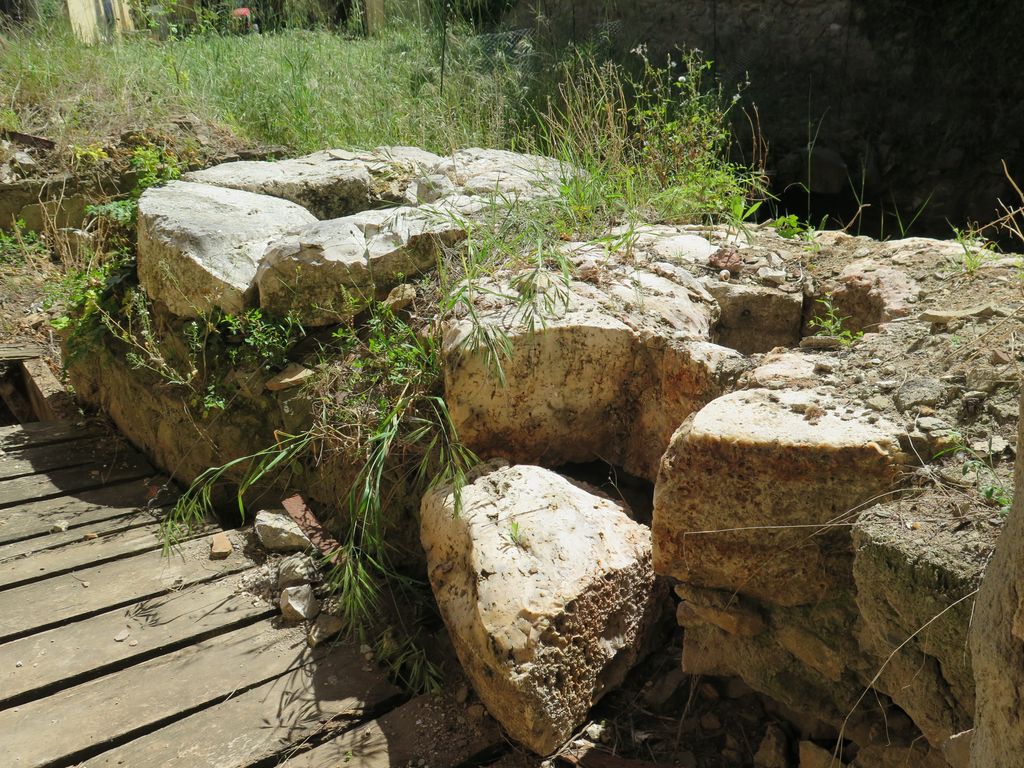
[[976, 250], [21, 245], [979, 468], [515, 534], [651, 147], [832, 324], [376, 402]]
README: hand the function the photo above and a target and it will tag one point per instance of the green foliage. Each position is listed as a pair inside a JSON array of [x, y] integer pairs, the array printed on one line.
[[831, 323], [251, 339], [515, 534], [790, 227], [979, 469], [651, 147], [121, 213], [153, 165], [976, 250], [377, 402], [20, 245]]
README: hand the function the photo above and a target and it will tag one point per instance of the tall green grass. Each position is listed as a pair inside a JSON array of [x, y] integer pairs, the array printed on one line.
[[303, 89]]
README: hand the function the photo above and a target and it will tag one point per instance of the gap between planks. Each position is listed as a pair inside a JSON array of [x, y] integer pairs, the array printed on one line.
[[83, 721], [88, 591], [63, 482], [72, 653], [38, 566], [37, 518], [35, 459]]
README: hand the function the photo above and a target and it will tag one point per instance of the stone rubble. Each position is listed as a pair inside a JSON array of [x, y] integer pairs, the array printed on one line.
[[299, 603], [220, 546], [279, 533]]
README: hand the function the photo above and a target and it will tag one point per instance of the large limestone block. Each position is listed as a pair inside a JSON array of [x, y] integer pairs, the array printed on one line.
[[330, 183], [997, 643], [608, 371], [199, 246], [546, 590], [756, 492], [870, 293], [501, 174], [331, 269]]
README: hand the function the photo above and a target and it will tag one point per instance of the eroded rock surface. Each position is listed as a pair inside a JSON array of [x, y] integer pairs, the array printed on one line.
[[755, 492], [997, 644], [331, 183], [199, 245], [613, 367], [328, 271], [501, 174], [546, 589]]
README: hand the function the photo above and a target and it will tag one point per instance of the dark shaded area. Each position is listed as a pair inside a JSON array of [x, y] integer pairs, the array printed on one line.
[[896, 118], [617, 484]]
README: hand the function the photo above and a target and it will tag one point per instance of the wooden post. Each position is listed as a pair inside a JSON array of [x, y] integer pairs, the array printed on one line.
[[95, 21], [373, 16]]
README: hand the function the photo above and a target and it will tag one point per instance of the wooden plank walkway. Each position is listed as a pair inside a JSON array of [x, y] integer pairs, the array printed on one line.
[[115, 654]]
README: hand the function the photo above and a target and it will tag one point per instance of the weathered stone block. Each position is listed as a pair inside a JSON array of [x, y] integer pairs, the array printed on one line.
[[545, 588], [199, 246], [332, 269], [907, 582], [609, 374], [756, 491], [330, 183], [504, 175]]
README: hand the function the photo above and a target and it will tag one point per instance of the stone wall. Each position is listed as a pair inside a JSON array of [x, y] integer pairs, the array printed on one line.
[[909, 105]]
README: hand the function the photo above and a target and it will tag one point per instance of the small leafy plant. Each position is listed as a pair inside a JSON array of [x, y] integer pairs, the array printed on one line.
[[831, 323], [515, 534], [979, 468], [976, 250], [20, 245]]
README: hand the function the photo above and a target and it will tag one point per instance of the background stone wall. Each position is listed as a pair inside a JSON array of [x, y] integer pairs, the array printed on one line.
[[906, 104]]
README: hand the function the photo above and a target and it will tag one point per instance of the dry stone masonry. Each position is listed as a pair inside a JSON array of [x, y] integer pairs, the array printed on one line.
[[824, 507]]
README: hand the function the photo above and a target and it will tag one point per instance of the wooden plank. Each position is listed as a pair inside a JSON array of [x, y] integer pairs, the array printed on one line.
[[72, 536], [76, 595], [87, 648], [45, 458], [21, 351], [432, 727], [261, 723], [84, 508], [43, 432], [15, 571], [50, 401], [62, 482], [82, 721]]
